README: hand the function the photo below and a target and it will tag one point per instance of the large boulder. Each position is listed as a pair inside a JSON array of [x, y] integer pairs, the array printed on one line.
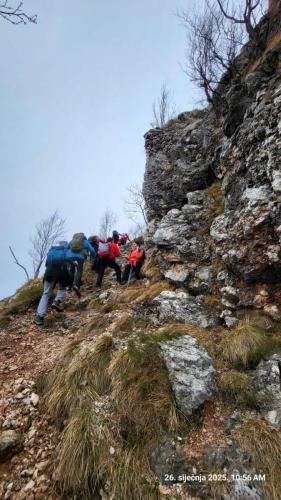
[[191, 372]]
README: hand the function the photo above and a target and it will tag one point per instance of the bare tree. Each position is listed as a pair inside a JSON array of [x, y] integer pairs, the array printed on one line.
[[107, 222], [134, 205], [164, 108], [214, 37], [212, 45], [47, 232], [15, 15], [244, 12], [18, 264]]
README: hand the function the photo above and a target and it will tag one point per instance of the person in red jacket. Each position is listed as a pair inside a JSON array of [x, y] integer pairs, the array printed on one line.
[[108, 252], [136, 259], [123, 238]]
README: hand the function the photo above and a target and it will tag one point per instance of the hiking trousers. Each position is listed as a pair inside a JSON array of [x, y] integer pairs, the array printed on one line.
[[79, 263], [135, 269], [103, 264], [43, 304]]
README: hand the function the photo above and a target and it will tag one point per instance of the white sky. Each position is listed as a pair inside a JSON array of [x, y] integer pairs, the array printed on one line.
[[76, 98]]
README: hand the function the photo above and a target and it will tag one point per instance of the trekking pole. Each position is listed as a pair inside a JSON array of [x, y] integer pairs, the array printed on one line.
[[130, 275]]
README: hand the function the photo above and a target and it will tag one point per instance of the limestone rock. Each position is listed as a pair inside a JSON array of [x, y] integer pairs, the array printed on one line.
[[267, 381], [191, 372], [174, 165], [183, 307], [177, 274], [167, 458]]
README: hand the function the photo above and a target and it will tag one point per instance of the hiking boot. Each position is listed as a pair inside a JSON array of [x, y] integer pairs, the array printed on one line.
[[38, 320], [56, 305], [77, 291]]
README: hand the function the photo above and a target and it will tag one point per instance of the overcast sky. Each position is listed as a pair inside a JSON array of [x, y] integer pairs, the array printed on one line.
[[76, 98]]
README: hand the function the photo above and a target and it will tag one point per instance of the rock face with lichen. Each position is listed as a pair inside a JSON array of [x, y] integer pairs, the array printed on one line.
[[191, 372], [213, 196]]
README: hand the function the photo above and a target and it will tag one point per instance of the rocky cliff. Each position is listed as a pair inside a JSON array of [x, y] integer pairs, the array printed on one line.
[[212, 187]]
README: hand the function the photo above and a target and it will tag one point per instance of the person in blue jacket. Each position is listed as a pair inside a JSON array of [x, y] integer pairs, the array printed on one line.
[[59, 271], [78, 256]]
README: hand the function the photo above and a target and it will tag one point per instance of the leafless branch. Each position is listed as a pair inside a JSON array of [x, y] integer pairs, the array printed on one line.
[[215, 36], [18, 264], [47, 231], [244, 12], [212, 46], [107, 222], [134, 205], [136, 231], [163, 109], [15, 15]]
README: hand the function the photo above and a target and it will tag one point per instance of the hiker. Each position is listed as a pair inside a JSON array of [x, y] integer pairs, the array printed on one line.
[[108, 252], [58, 270], [123, 238], [115, 236], [77, 252], [136, 259], [94, 260]]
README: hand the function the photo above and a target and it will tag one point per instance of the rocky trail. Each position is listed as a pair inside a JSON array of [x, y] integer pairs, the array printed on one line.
[[27, 352]]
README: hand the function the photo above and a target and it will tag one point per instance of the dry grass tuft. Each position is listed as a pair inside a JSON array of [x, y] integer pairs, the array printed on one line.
[[264, 444], [151, 270], [111, 305], [85, 376], [137, 295], [247, 343], [238, 388], [83, 453], [4, 321], [85, 463], [131, 476], [130, 294], [217, 208], [26, 296], [150, 292], [124, 323], [97, 324], [142, 393], [95, 304]]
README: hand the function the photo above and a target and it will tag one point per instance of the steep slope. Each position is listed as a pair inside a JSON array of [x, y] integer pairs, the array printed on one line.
[[170, 387]]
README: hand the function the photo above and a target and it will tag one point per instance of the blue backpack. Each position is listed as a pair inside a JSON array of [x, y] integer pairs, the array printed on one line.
[[56, 256]]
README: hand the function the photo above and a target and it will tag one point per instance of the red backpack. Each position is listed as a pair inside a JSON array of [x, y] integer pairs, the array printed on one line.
[[104, 249]]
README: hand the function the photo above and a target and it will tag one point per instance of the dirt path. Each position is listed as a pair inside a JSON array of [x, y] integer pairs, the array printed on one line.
[[26, 352]]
